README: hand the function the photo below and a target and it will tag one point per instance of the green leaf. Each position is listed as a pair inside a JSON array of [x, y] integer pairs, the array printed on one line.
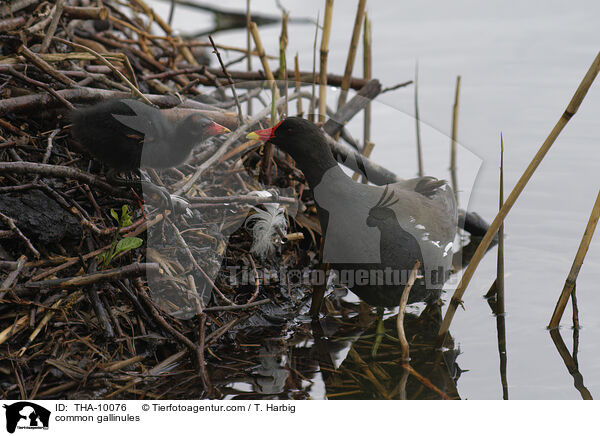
[[125, 216], [128, 244], [114, 214]]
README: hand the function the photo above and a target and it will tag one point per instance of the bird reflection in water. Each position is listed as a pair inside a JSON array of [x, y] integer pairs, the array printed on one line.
[[331, 358]]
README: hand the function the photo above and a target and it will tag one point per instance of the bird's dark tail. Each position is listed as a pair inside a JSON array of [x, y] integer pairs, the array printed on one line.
[[473, 223]]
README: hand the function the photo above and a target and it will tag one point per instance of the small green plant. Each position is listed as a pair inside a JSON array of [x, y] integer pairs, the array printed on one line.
[[119, 245]]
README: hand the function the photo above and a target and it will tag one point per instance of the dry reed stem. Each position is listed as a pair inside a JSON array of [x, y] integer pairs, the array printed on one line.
[[54, 390], [184, 49], [154, 16], [402, 308], [283, 42], [343, 115], [229, 79], [401, 388], [56, 14], [249, 49], [158, 369], [571, 110], [39, 62], [358, 21], [135, 269], [15, 6], [418, 123], [106, 62], [11, 224], [12, 276], [499, 285], [12, 23], [244, 199], [85, 12], [59, 57], [223, 47], [311, 106], [265, 64], [233, 307], [171, 12], [367, 373], [45, 320], [13, 329], [41, 85], [121, 364], [571, 364], [231, 138], [454, 134], [426, 382], [500, 263], [140, 32], [56, 171], [577, 262], [323, 65], [367, 74]]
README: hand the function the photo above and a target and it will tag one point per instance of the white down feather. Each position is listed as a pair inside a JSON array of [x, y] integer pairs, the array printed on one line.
[[264, 224]]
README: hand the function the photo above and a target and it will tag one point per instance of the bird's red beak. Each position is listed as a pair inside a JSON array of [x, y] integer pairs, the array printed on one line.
[[265, 134], [216, 129]]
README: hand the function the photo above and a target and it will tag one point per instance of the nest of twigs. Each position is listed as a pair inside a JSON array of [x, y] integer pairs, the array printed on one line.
[[161, 319], [78, 320], [105, 296]]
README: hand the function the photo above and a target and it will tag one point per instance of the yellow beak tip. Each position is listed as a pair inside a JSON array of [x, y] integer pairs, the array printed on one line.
[[252, 135]]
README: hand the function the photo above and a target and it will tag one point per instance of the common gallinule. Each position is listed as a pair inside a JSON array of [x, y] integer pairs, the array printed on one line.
[[373, 235], [126, 135]]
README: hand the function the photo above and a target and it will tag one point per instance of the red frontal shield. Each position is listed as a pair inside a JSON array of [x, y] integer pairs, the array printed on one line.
[[265, 134]]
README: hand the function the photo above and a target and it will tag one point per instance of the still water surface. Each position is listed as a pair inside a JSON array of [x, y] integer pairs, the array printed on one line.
[[520, 63]]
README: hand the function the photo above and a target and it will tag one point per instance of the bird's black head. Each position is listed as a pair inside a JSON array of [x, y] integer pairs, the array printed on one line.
[[304, 141], [295, 136], [198, 128]]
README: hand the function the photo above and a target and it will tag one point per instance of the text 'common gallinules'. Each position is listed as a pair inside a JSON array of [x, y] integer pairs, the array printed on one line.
[[126, 135], [373, 235]]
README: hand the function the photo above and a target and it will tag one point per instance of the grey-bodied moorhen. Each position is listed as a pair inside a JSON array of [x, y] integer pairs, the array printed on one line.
[[126, 135], [373, 235]]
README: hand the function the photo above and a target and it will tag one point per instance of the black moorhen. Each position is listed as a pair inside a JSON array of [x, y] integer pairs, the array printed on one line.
[[373, 235], [127, 134]]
